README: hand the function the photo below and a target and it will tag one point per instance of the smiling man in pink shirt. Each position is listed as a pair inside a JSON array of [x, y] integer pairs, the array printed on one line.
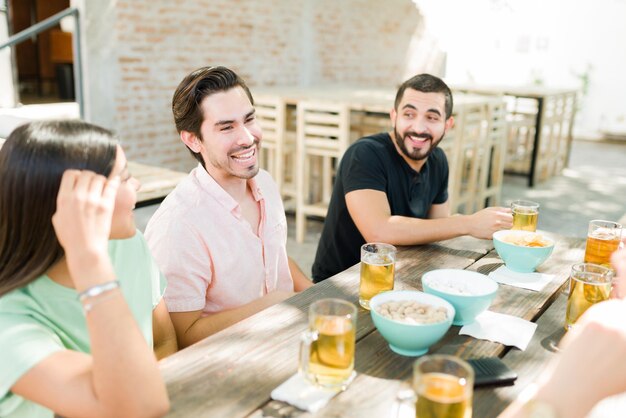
[[220, 237]]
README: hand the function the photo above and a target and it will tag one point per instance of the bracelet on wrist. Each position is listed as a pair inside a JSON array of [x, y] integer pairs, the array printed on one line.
[[86, 296]]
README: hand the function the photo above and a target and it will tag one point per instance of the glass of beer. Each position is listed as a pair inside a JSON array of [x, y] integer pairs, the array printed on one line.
[[327, 348], [377, 271], [444, 387], [525, 215], [588, 284], [603, 239]]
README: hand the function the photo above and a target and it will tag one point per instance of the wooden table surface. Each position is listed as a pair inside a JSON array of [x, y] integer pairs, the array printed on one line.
[[156, 182], [232, 373], [365, 99]]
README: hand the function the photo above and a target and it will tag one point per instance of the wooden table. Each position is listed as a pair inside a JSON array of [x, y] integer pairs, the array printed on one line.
[[156, 182], [540, 134], [232, 373]]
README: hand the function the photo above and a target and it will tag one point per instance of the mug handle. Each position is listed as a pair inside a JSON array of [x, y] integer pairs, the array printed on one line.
[[307, 338], [404, 404]]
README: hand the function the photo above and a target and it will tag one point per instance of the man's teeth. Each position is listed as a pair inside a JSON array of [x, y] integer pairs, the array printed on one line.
[[245, 156]]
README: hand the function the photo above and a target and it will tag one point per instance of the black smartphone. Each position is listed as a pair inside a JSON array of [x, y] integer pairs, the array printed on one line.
[[491, 371]]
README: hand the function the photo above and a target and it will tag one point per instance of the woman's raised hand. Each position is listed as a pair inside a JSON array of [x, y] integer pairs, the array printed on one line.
[[82, 223]]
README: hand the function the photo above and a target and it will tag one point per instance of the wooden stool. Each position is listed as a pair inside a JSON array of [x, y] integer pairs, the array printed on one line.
[[476, 169], [278, 145], [323, 134]]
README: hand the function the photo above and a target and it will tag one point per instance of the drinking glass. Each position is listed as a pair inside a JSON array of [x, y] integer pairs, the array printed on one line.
[[377, 271], [327, 348], [525, 215], [588, 284], [603, 238], [444, 386]]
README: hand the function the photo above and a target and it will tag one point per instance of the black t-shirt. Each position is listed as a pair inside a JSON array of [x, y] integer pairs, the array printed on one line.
[[373, 162]]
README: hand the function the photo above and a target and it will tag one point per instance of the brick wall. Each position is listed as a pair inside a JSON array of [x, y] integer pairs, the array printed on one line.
[[138, 50]]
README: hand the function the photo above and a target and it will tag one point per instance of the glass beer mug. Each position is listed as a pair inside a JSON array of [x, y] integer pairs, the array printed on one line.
[[327, 348], [603, 238], [444, 387]]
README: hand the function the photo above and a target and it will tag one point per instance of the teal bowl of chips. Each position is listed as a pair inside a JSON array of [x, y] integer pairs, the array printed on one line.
[[522, 251]]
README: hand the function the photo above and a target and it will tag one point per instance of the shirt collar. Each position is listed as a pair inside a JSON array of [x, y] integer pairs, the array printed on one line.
[[208, 184]]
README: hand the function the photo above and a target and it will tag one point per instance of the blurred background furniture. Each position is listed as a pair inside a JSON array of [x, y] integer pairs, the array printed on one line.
[[323, 135], [330, 118], [540, 128], [156, 182]]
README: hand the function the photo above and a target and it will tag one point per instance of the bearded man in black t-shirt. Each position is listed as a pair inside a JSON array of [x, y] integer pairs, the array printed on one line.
[[393, 187]]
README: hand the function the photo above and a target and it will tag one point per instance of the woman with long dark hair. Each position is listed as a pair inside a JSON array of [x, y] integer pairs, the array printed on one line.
[[80, 297]]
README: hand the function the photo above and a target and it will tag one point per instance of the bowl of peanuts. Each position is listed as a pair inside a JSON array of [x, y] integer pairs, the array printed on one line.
[[411, 321], [470, 292], [522, 251]]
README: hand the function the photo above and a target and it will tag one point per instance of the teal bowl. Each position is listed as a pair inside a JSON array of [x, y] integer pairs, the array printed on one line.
[[470, 293], [410, 339], [519, 258]]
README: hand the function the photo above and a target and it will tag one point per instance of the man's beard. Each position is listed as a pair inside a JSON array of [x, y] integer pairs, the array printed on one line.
[[226, 166], [417, 154]]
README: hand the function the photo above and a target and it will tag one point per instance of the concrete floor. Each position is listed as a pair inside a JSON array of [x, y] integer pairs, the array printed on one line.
[[592, 187]]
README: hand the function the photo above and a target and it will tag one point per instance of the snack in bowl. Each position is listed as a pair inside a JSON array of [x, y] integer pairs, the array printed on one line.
[[469, 292], [412, 312], [410, 339], [522, 251], [526, 240]]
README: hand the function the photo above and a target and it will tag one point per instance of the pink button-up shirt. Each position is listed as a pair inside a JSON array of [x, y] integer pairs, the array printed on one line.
[[210, 255]]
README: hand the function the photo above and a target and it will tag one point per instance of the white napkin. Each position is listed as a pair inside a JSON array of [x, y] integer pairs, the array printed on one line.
[[501, 328], [302, 394], [532, 281]]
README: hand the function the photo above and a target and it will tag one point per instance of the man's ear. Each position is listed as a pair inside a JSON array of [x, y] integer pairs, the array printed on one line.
[[191, 140], [392, 116], [450, 123]]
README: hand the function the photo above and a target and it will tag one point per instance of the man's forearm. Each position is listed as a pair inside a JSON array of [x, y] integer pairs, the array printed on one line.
[[208, 325], [403, 230], [300, 281], [165, 347]]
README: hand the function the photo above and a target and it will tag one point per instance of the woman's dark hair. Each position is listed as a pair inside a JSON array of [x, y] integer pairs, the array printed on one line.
[[32, 162]]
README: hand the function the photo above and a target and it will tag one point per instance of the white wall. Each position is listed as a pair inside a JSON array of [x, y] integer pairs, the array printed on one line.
[[554, 42], [7, 91]]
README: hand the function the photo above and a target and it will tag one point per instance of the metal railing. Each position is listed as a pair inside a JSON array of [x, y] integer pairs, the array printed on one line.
[[47, 24]]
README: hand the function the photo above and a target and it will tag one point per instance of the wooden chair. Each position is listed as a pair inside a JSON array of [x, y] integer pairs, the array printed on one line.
[[278, 146], [476, 169], [323, 134], [521, 120], [556, 134]]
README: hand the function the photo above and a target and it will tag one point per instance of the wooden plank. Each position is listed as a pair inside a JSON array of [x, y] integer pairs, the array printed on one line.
[[232, 373], [156, 182], [528, 364], [382, 373]]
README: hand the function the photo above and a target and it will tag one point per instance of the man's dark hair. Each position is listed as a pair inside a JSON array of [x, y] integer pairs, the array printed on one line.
[[188, 97], [426, 83]]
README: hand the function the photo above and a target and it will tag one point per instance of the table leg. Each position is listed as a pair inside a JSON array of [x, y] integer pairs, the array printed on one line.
[[533, 161]]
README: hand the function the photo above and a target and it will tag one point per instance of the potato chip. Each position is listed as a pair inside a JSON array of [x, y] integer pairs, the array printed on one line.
[[528, 240]]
